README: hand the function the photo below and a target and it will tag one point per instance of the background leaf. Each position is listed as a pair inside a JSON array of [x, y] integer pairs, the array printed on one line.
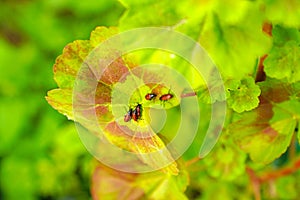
[[244, 96], [283, 60], [111, 184]]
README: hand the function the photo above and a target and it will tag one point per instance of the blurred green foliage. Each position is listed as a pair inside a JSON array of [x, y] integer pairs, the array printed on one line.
[[41, 155]]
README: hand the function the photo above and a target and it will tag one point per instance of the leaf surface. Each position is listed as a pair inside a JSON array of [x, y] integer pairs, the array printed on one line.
[[111, 184]]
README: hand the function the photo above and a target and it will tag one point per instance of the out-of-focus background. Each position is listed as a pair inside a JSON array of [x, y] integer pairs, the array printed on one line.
[[41, 155]]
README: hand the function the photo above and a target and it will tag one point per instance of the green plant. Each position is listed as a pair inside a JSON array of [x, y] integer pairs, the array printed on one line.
[[256, 47]]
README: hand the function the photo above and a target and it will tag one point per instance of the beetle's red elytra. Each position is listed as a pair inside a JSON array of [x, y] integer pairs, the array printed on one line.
[[134, 115], [138, 109], [137, 112], [150, 96], [128, 116], [166, 97]]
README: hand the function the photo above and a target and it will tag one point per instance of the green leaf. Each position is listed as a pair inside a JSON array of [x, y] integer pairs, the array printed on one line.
[[170, 60], [214, 93], [295, 91], [63, 162], [226, 161], [172, 187], [286, 187], [100, 34], [282, 12], [16, 168], [287, 109], [111, 184], [235, 47], [281, 35], [13, 125], [197, 146], [243, 96], [298, 134], [165, 14], [204, 187], [283, 62]]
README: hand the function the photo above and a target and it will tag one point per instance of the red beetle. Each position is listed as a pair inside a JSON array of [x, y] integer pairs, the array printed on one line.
[[166, 97], [128, 116], [135, 115], [150, 96], [137, 112], [138, 109]]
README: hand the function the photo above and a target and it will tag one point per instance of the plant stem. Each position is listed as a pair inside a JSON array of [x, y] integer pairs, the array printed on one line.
[[192, 161], [281, 172], [188, 94], [260, 74], [267, 177], [255, 182]]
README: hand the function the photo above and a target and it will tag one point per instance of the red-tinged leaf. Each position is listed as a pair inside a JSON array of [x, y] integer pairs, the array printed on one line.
[[86, 95], [264, 138], [88, 115], [102, 94], [66, 70], [277, 91], [145, 143], [93, 97], [112, 66], [269, 143], [270, 127], [112, 184], [274, 90], [114, 72], [87, 100], [153, 74], [67, 65], [61, 100], [164, 187]]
